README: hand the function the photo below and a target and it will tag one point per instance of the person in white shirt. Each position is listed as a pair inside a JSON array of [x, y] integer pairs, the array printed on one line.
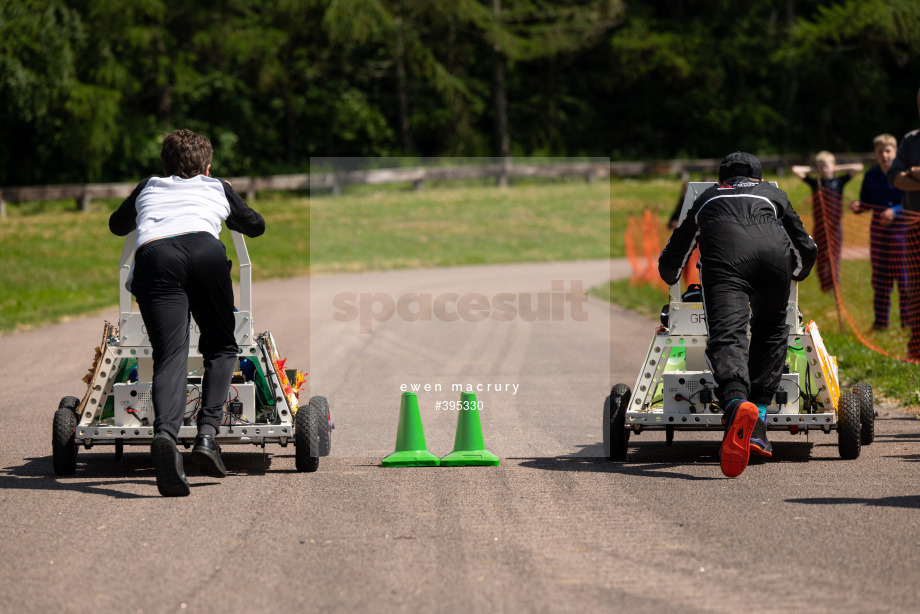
[[181, 268]]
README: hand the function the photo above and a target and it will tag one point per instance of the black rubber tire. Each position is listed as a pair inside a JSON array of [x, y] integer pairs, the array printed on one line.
[[616, 437], [306, 438], [848, 426], [863, 392], [63, 444], [325, 425]]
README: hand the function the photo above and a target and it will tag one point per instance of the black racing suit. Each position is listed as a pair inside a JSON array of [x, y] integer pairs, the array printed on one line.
[[752, 244]]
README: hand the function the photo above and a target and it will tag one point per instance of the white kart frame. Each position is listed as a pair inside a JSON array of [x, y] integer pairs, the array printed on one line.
[[132, 422]]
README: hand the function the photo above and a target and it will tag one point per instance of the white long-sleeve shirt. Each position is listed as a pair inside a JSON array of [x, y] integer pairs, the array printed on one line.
[[161, 207]]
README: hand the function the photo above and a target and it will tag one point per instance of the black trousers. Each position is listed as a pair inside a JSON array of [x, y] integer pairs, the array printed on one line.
[[751, 288], [174, 277]]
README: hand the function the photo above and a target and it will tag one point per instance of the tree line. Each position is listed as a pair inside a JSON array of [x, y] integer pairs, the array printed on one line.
[[88, 87]]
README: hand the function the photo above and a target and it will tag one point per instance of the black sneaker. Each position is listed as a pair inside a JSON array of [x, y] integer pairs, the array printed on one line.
[[206, 454], [728, 411], [167, 464], [760, 445]]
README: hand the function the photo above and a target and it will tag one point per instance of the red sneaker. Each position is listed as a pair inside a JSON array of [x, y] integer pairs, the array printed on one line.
[[736, 445]]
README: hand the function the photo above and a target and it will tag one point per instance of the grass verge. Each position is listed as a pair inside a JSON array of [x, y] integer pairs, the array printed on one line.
[[462, 226], [62, 263]]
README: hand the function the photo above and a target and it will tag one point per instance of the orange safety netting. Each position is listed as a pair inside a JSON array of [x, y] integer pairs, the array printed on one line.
[[643, 245], [868, 261]]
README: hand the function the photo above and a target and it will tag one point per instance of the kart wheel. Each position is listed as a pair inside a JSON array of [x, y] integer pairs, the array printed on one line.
[[306, 438], [848, 426], [119, 449], [863, 392], [63, 444], [325, 425], [616, 437]]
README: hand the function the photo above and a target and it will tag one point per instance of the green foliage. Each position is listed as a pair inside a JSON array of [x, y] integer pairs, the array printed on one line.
[[881, 23], [39, 46], [533, 29], [88, 87], [869, 41], [36, 62]]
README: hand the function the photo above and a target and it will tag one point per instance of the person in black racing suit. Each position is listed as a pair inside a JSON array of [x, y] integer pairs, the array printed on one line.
[[752, 244]]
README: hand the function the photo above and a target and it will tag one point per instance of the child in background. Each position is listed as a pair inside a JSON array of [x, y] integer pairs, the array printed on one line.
[[827, 200], [904, 174], [887, 231]]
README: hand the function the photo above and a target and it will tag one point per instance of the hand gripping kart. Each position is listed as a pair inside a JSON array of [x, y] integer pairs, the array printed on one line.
[[675, 388], [262, 406]]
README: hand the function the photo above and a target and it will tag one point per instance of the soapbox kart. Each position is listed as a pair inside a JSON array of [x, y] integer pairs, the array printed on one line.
[[262, 407], [675, 389]]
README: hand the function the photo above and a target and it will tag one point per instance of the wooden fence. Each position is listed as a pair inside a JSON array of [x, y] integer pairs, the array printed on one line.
[[502, 172]]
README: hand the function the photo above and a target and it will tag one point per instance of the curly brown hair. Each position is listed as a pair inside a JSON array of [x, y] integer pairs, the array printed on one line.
[[186, 154]]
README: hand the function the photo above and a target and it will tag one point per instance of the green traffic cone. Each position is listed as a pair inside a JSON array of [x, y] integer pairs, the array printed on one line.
[[469, 448], [411, 450]]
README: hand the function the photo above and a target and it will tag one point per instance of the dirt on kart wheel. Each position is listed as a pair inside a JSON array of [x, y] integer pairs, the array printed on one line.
[[63, 444], [863, 392], [848, 426], [307, 422], [616, 437], [325, 425]]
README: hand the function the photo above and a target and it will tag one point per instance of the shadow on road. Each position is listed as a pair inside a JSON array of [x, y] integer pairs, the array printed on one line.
[[898, 437], [912, 458], [905, 501], [630, 467], [687, 452], [101, 474], [657, 459]]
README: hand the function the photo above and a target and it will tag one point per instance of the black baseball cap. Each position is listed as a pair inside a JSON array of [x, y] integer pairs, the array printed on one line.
[[740, 164]]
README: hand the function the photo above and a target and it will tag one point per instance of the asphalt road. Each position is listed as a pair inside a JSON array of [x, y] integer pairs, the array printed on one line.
[[554, 528]]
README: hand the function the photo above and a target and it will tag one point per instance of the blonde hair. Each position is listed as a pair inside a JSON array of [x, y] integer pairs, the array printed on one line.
[[825, 156], [884, 140]]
